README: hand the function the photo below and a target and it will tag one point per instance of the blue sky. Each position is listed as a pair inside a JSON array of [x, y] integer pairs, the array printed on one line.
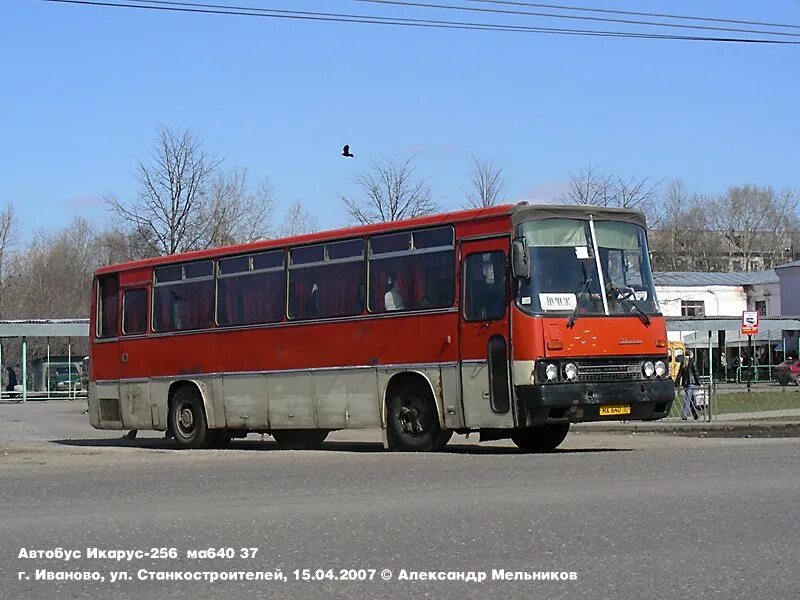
[[83, 89]]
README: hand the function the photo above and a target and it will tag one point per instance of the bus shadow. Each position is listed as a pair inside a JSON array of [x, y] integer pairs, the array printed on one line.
[[332, 446], [143, 443]]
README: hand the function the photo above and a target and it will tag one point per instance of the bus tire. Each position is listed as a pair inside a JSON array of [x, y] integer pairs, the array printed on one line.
[[544, 438], [300, 439], [412, 422], [187, 419]]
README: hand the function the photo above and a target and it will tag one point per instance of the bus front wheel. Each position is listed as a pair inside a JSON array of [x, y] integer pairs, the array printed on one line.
[[412, 421], [545, 438], [187, 419]]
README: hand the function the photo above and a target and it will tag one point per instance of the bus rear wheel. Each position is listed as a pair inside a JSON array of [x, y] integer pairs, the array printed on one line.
[[544, 438], [187, 420], [300, 439], [412, 421]]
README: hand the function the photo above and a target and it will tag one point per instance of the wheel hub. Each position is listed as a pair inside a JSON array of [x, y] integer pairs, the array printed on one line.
[[410, 420], [186, 420]]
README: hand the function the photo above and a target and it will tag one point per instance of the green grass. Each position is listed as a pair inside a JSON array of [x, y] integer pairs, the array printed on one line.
[[756, 401], [746, 402]]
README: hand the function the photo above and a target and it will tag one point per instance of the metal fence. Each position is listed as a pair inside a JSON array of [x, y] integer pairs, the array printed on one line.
[[747, 397], [739, 372]]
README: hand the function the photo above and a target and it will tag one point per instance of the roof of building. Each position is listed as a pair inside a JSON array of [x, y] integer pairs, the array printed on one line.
[[791, 264], [45, 328], [702, 279]]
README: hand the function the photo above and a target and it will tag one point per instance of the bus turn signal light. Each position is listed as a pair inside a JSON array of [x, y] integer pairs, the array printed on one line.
[[555, 345]]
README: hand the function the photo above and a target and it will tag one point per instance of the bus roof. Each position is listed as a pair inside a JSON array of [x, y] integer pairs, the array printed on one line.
[[519, 212]]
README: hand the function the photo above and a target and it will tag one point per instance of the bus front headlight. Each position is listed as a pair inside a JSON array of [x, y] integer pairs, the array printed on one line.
[[661, 368], [551, 371], [571, 371], [648, 368]]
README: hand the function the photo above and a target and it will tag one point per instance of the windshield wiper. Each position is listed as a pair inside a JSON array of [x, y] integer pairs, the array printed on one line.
[[625, 297], [582, 287]]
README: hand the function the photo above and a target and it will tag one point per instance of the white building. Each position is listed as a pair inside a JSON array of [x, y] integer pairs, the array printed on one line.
[[695, 294]]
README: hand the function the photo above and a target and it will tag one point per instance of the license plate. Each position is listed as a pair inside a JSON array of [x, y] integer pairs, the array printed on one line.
[[609, 411]]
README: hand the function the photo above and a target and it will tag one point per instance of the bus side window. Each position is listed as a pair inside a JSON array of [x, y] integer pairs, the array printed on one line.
[[412, 271], [251, 289], [183, 296], [485, 286], [134, 312], [108, 306], [327, 280]]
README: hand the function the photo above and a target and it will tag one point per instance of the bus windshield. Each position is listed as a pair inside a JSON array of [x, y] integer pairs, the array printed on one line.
[[564, 274]]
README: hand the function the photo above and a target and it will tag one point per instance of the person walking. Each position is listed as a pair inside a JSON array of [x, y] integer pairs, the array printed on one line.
[[12, 379], [687, 378]]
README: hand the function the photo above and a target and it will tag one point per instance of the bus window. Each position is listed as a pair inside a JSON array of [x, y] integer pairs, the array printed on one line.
[[185, 303], [108, 306], [134, 312], [251, 289], [331, 287], [412, 279], [485, 291]]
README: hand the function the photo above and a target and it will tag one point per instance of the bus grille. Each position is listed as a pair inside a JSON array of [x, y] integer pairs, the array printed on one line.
[[109, 409], [609, 372]]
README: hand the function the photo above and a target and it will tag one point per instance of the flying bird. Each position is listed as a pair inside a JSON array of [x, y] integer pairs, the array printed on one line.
[[346, 151]]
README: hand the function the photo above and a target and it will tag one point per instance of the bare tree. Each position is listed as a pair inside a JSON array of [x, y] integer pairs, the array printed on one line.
[[487, 183], [590, 186], [8, 241], [298, 220], [234, 213], [172, 189], [391, 193], [684, 239], [116, 244], [702, 246], [756, 222], [186, 203], [52, 276], [636, 192]]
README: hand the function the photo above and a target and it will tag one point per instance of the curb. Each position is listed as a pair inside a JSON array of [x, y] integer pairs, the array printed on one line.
[[700, 429]]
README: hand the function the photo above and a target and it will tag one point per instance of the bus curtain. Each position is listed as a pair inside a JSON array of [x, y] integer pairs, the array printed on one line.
[[329, 291], [408, 276], [256, 298], [184, 306], [136, 311]]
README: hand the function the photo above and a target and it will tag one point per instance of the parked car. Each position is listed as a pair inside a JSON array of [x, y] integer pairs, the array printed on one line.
[[64, 378], [788, 370]]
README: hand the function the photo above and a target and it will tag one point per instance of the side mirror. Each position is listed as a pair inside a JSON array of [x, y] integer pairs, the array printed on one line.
[[520, 264]]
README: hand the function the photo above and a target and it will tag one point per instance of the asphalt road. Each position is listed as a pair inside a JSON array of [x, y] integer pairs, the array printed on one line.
[[633, 516]]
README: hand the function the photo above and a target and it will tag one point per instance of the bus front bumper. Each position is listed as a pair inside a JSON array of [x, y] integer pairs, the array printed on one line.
[[594, 401]]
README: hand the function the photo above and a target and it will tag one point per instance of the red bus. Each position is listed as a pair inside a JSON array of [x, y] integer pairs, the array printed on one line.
[[510, 321]]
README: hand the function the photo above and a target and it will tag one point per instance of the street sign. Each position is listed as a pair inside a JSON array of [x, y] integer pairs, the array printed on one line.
[[750, 322]]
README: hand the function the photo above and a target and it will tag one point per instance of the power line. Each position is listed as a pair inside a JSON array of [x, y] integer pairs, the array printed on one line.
[[609, 11], [217, 9], [409, 3]]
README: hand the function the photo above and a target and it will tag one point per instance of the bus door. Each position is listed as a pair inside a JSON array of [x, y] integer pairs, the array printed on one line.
[[105, 351], [484, 339], [134, 361]]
